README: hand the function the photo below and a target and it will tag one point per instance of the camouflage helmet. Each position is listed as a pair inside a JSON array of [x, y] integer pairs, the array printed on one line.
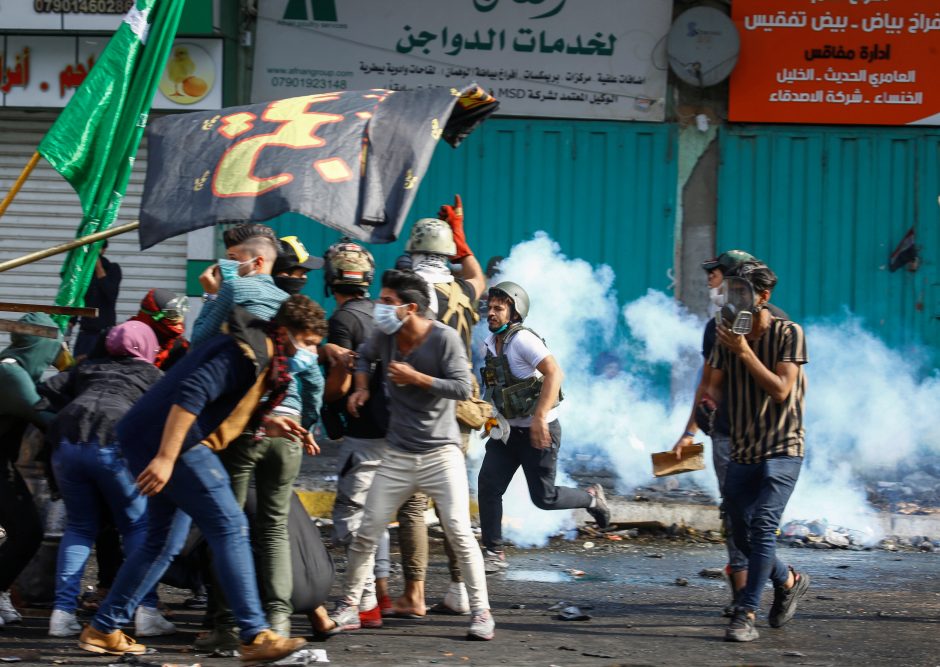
[[347, 263], [518, 296], [433, 236]]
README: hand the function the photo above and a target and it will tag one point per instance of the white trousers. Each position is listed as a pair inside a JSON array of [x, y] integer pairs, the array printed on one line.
[[441, 474]]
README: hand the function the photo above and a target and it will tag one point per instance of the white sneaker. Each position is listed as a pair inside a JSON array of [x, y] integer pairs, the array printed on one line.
[[148, 622], [8, 612], [456, 600], [63, 624], [482, 626]]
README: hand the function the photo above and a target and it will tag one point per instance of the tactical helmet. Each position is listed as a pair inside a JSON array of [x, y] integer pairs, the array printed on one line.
[[347, 263], [431, 235], [728, 261], [519, 297]]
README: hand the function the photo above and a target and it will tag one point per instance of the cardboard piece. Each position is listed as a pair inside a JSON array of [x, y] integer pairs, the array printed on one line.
[[666, 463]]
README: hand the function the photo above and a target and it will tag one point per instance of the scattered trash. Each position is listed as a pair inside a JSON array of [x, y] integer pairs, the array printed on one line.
[[843, 567], [794, 654], [680, 581], [517, 606], [573, 613], [712, 573], [561, 604], [614, 538], [654, 555], [305, 656], [575, 573], [566, 648], [588, 545], [11, 658], [819, 534]]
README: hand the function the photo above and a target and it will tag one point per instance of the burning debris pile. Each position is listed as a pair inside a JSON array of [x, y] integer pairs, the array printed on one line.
[[907, 491]]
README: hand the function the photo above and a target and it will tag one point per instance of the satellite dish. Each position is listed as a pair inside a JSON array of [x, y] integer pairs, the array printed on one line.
[[703, 46]]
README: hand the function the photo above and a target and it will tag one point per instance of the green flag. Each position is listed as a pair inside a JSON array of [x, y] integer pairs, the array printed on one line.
[[94, 140]]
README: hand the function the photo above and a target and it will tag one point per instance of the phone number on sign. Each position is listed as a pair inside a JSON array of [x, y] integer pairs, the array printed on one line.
[[83, 6], [305, 82]]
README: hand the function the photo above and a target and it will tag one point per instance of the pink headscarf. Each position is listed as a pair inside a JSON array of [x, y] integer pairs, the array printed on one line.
[[133, 339]]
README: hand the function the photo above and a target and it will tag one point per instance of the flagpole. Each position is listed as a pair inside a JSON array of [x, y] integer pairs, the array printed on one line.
[[65, 247], [27, 170]]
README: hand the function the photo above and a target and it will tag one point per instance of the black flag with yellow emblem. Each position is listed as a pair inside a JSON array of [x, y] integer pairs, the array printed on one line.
[[351, 160]]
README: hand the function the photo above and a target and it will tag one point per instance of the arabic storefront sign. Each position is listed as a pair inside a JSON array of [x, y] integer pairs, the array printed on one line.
[[557, 58], [842, 62], [45, 71], [104, 15]]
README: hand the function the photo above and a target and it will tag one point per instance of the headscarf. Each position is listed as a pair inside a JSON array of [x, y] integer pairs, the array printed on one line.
[[434, 269], [133, 339], [34, 353]]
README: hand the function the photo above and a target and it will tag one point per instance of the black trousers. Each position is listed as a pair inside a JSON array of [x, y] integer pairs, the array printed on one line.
[[500, 465], [20, 519]]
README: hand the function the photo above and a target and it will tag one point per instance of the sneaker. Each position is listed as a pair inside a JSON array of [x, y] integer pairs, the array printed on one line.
[[149, 622], [784, 606], [113, 643], [268, 646], [63, 624], [741, 628], [8, 612], [494, 561], [482, 626], [346, 615], [600, 512], [221, 641], [370, 618], [385, 604], [455, 600]]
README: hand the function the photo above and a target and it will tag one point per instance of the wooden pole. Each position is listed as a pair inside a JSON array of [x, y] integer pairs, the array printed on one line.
[[30, 329], [65, 247], [10, 307], [27, 170]]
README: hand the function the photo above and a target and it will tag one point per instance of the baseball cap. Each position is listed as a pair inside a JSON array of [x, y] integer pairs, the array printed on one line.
[[294, 255], [728, 261]]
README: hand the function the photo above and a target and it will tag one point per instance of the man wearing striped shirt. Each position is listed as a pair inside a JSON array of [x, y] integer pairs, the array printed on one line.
[[761, 373]]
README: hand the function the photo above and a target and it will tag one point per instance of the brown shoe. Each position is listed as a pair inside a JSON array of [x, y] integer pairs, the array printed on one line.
[[268, 645], [114, 643]]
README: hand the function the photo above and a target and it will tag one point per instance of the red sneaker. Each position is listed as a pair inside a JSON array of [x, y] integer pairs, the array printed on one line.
[[385, 604], [371, 618]]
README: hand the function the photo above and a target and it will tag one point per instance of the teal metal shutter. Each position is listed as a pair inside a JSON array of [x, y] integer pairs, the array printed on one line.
[[604, 190], [825, 207]]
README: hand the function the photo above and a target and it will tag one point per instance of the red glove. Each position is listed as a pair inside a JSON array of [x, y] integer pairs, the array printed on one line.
[[453, 216]]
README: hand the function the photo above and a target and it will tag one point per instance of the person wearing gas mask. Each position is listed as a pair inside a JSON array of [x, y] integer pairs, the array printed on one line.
[[716, 268], [523, 382], [426, 373], [758, 364], [433, 244], [22, 364], [224, 387]]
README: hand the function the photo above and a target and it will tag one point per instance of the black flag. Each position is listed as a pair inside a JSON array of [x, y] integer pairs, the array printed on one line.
[[351, 160]]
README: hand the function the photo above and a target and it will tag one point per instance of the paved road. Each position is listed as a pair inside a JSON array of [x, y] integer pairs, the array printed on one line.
[[864, 608]]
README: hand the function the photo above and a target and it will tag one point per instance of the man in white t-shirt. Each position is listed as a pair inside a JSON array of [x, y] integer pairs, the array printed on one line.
[[523, 382]]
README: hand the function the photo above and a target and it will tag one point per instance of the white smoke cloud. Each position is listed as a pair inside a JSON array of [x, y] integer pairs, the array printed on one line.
[[629, 383]]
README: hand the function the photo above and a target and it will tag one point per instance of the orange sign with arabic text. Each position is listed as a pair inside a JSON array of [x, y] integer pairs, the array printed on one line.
[[844, 62]]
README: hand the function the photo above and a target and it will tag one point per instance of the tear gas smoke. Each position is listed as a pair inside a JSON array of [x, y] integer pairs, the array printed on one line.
[[867, 406]]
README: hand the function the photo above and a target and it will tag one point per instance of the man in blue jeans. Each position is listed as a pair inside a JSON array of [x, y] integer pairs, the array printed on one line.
[[228, 384], [758, 366]]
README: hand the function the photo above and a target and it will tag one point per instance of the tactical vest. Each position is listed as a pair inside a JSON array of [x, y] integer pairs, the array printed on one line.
[[513, 397], [459, 313]]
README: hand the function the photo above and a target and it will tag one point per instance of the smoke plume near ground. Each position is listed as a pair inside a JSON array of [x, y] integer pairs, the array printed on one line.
[[630, 373]]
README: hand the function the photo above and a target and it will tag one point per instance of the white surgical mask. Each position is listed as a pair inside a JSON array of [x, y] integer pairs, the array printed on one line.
[[386, 318]]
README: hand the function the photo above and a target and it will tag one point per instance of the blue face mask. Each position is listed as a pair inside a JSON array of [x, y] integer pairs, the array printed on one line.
[[228, 268], [303, 359], [386, 318]]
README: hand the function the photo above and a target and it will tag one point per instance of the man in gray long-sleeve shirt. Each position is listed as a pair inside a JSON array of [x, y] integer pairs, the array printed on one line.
[[426, 373]]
